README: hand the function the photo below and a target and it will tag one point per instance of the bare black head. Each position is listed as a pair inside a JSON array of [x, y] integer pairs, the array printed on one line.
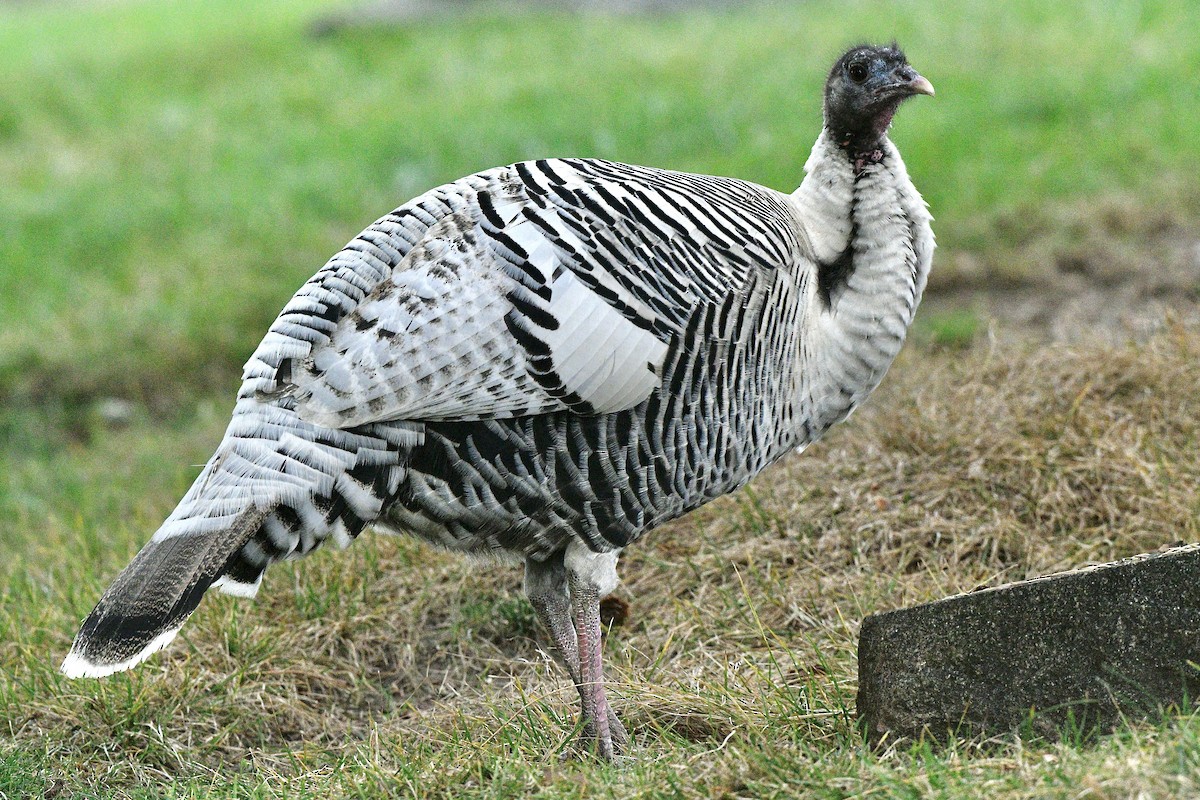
[[864, 89]]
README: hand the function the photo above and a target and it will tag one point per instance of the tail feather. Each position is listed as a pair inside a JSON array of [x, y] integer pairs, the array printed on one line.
[[150, 600], [276, 488]]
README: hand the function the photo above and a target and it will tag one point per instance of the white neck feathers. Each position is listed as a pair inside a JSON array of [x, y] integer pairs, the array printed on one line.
[[871, 245]]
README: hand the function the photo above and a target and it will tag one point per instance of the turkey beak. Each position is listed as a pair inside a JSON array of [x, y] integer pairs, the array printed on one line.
[[920, 85], [906, 82]]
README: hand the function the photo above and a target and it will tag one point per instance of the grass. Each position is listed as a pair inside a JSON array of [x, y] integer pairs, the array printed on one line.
[[173, 172], [157, 209], [956, 328], [390, 669]]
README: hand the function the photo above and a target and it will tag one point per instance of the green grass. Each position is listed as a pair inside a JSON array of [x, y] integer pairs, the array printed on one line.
[[955, 329], [172, 172]]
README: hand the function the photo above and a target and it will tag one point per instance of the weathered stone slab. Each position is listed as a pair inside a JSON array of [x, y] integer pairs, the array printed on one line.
[[1079, 648]]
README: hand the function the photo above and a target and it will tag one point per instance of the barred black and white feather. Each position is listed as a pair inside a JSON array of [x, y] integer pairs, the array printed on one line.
[[543, 356]]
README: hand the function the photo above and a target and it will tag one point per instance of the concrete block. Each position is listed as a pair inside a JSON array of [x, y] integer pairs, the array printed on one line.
[[1085, 647]]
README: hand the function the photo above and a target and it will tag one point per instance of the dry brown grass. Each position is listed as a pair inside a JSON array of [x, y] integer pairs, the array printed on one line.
[[395, 668]]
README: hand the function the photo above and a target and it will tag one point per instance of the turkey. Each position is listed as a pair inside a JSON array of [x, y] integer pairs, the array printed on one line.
[[541, 362]]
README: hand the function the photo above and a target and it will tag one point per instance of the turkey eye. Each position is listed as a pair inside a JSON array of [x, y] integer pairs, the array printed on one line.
[[857, 72]]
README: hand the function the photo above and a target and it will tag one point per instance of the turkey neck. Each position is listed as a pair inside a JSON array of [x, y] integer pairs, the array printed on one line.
[[869, 234]]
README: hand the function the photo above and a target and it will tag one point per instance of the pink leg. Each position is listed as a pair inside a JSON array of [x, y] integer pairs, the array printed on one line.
[[585, 602], [599, 722], [546, 588], [546, 585]]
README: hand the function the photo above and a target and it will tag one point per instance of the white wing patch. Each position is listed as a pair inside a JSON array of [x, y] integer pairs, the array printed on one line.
[[599, 355], [602, 357]]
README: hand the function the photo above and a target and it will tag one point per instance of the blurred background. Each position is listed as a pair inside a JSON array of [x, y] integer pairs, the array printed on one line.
[[170, 173]]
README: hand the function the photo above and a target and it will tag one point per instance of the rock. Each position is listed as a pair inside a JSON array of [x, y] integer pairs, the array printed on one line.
[[1077, 650]]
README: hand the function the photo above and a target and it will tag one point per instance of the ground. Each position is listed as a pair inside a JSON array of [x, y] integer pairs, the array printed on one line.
[[1111, 270], [172, 173]]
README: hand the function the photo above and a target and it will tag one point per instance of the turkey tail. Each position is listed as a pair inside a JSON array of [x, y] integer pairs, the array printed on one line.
[[277, 487], [150, 600]]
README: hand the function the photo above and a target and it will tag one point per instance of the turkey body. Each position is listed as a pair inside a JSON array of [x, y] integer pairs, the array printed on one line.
[[542, 362], [717, 411], [741, 372]]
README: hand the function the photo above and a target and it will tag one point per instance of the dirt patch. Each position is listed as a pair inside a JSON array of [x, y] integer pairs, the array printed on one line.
[[1105, 271]]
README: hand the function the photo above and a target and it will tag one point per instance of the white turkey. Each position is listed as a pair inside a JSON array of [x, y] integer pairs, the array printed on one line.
[[544, 361]]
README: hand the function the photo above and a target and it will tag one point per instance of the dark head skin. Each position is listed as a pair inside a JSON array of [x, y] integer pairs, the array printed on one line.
[[864, 89]]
